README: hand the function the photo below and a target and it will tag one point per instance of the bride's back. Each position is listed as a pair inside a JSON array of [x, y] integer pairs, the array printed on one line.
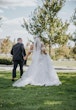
[[37, 44]]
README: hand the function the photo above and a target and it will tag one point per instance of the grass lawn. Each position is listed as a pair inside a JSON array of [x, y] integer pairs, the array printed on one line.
[[61, 97]]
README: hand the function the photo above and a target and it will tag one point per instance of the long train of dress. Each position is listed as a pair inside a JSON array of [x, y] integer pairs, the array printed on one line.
[[41, 72]]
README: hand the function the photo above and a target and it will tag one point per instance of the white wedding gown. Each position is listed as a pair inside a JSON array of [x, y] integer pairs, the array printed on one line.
[[41, 71]]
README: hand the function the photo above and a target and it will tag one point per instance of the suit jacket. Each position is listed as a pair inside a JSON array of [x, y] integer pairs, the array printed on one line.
[[18, 51]]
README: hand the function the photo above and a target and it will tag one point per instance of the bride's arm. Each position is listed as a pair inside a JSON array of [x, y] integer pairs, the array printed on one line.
[[43, 50], [29, 52], [25, 58]]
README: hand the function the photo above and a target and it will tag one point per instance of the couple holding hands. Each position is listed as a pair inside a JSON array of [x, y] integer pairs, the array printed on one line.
[[41, 71]]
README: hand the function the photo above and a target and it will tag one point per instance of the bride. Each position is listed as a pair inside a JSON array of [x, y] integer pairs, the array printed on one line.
[[41, 71]]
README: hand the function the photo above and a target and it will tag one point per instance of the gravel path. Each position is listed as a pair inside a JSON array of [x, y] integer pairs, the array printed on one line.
[[58, 68]]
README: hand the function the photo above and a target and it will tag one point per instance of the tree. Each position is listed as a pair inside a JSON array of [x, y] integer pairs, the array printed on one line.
[[0, 21], [73, 19], [74, 34], [6, 45], [45, 22]]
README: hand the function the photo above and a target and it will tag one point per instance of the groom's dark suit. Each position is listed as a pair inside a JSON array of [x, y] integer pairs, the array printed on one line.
[[18, 53]]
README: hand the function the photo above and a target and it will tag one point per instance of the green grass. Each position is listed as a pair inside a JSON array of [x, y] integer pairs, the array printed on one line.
[[61, 97]]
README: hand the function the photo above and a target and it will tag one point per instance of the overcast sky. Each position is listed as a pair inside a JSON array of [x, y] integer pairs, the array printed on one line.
[[13, 12]]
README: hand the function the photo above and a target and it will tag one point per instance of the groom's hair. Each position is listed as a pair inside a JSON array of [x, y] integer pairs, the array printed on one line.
[[19, 39]]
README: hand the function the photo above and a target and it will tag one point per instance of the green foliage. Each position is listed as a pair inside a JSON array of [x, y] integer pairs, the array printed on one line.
[[73, 52], [45, 22], [6, 61], [62, 51], [73, 19], [61, 97]]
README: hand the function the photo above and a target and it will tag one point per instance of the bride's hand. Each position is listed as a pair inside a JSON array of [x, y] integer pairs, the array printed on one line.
[[43, 50], [25, 57]]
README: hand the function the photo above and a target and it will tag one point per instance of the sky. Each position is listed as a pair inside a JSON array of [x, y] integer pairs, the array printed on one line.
[[13, 12]]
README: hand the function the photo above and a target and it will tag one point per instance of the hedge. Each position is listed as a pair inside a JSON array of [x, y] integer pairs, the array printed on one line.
[[6, 61]]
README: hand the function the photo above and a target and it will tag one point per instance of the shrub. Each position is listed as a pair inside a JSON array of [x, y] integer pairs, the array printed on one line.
[[5, 61]]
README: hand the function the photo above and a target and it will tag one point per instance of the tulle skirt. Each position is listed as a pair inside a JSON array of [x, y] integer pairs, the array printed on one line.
[[41, 72]]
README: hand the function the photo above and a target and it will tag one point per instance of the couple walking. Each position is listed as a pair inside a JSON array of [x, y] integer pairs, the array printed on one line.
[[41, 71]]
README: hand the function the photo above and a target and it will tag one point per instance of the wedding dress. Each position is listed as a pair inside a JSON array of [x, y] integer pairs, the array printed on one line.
[[41, 71]]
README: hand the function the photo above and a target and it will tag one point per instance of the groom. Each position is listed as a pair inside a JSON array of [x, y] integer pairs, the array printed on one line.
[[18, 53]]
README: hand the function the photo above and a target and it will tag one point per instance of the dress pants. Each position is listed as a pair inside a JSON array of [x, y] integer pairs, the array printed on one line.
[[16, 62]]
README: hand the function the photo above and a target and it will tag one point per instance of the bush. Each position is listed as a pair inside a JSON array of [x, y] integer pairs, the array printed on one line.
[[8, 61], [5, 61], [74, 50]]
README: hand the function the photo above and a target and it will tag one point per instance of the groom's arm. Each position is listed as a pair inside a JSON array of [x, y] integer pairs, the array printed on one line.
[[11, 51], [23, 50]]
